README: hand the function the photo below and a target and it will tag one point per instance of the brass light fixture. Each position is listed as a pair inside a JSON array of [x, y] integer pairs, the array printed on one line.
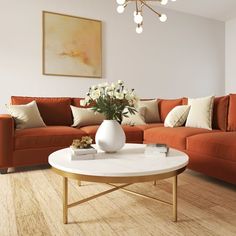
[[138, 13]]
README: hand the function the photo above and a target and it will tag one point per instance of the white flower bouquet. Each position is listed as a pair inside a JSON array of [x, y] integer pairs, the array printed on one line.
[[112, 100]]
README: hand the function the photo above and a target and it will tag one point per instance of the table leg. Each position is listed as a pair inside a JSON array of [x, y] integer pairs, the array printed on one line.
[[79, 182], [65, 200], [175, 183], [155, 183]]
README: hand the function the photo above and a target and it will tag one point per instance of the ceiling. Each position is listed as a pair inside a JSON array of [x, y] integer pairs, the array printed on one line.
[[222, 10]]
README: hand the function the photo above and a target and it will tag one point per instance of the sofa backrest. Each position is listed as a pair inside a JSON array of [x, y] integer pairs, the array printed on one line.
[[76, 102], [232, 113], [220, 112], [166, 105], [54, 111]]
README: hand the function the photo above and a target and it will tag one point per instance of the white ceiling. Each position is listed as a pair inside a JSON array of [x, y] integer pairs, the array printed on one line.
[[222, 10]]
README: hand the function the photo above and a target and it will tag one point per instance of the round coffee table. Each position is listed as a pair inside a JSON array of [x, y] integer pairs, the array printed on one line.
[[129, 165]]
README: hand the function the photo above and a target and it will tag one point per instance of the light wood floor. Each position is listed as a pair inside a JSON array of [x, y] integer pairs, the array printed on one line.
[[30, 204]]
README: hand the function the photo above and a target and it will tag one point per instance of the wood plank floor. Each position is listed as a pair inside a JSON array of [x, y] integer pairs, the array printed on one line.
[[31, 204]]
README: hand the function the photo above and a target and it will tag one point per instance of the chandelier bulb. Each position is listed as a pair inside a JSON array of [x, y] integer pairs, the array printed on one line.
[[163, 18], [120, 2], [120, 9], [139, 29], [164, 2], [138, 19]]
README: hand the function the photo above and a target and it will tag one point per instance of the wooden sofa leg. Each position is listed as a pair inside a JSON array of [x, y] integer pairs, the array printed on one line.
[[3, 171], [11, 170]]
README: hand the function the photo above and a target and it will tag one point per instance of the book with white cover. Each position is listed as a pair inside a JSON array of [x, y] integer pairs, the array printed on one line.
[[157, 148], [81, 157], [82, 151], [82, 154]]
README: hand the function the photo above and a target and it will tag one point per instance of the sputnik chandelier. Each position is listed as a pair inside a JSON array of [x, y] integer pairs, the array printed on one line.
[[138, 13]]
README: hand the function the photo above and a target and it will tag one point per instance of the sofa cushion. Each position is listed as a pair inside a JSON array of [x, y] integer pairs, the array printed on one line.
[[26, 116], [218, 145], [76, 102], [138, 118], [177, 116], [220, 112], [85, 116], [200, 114], [51, 136], [173, 137], [232, 113], [151, 110], [54, 111], [133, 133], [165, 106], [149, 126]]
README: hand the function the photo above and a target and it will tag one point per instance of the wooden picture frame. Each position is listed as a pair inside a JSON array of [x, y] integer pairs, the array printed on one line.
[[72, 46]]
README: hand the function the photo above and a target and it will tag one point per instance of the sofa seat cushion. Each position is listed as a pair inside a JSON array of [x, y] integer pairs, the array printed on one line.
[[134, 134], [149, 126], [51, 136], [218, 145], [173, 137]]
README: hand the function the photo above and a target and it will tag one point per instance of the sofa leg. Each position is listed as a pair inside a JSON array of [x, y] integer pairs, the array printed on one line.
[[11, 170], [3, 171]]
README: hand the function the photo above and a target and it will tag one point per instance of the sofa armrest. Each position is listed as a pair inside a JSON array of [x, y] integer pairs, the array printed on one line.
[[6, 140]]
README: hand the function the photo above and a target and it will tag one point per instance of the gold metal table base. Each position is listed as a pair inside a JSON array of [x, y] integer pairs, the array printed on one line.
[[110, 181]]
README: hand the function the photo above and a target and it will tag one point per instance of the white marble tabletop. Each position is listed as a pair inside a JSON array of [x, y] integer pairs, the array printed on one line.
[[129, 161]]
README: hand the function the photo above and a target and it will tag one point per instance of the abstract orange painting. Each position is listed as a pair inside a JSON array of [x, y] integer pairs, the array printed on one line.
[[71, 46]]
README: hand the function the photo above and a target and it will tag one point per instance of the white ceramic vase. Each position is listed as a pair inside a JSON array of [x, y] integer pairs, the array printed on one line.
[[110, 136]]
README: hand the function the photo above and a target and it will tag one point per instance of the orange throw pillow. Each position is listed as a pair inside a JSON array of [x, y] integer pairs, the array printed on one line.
[[232, 113]]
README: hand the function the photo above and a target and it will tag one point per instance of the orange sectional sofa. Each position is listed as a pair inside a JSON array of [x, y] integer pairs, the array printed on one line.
[[211, 152]]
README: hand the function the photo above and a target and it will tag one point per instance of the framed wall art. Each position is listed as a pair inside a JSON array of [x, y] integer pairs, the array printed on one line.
[[72, 46]]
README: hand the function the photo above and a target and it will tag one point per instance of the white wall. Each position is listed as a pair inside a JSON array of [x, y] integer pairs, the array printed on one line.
[[230, 56], [183, 57]]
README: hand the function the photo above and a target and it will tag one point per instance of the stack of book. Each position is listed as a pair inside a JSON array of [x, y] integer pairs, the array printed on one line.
[[158, 150], [82, 153]]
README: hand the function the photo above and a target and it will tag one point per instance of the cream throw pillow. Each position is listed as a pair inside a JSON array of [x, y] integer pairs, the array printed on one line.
[[86, 116], [136, 119], [177, 116], [152, 112], [200, 114], [26, 116]]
